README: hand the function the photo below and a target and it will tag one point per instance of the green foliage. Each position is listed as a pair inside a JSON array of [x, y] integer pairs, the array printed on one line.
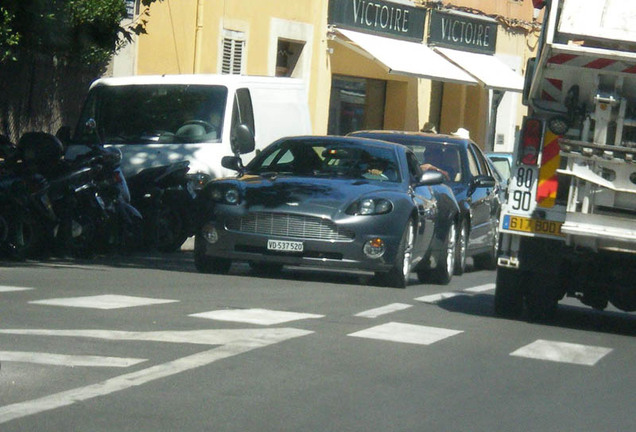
[[87, 31], [9, 39]]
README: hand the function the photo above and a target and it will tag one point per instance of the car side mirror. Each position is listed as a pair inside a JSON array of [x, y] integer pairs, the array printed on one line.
[[242, 140], [431, 177], [482, 181], [232, 162]]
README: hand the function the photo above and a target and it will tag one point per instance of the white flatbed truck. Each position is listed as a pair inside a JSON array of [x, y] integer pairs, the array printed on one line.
[[568, 227]]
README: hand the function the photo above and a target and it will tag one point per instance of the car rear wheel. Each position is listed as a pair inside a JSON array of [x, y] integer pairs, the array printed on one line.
[[443, 273], [207, 264], [398, 276], [460, 250], [488, 261]]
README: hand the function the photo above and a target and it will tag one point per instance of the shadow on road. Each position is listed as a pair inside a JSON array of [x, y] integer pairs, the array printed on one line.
[[567, 316]]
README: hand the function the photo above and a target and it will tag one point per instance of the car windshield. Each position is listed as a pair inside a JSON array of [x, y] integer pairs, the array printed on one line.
[[146, 114], [319, 158]]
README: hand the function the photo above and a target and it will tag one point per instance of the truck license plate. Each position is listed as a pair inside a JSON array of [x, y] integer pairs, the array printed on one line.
[[536, 226], [285, 245]]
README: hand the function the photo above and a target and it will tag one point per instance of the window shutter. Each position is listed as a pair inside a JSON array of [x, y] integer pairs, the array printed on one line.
[[232, 63]]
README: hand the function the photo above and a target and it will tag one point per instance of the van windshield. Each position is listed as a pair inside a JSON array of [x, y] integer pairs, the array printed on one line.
[[149, 114]]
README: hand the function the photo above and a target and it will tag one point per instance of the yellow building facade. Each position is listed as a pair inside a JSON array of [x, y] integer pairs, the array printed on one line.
[[361, 60]]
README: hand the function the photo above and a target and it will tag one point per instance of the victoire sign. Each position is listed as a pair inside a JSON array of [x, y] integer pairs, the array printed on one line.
[[379, 17], [462, 31]]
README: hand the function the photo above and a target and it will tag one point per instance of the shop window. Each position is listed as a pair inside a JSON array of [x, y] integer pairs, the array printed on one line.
[[233, 50], [356, 104], [287, 55]]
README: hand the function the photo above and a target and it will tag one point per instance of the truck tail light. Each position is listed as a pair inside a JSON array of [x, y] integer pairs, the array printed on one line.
[[538, 4], [531, 135]]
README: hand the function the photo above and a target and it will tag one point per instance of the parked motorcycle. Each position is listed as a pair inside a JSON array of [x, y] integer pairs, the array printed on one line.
[[87, 195], [26, 216], [165, 195]]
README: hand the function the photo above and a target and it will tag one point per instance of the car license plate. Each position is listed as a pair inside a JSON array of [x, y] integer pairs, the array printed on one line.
[[285, 245], [536, 226]]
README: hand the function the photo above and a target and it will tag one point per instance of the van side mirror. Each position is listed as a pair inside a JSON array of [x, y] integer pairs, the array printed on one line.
[[242, 140]]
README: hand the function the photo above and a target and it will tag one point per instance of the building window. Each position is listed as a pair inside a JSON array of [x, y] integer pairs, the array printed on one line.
[[233, 49], [355, 104], [287, 54]]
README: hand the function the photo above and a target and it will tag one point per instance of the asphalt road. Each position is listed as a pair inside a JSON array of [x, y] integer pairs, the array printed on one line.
[[145, 343]]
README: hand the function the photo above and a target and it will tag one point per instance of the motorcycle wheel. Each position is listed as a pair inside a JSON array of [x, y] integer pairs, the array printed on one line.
[[80, 236], [170, 231], [24, 238]]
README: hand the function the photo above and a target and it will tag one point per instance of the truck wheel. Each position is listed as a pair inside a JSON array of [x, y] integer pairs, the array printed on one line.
[[541, 297], [207, 264], [508, 293]]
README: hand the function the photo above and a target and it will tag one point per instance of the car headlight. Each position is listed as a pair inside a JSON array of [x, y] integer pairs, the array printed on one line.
[[225, 195], [370, 206]]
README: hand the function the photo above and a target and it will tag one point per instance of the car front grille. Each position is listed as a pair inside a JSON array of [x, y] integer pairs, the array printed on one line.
[[289, 225]]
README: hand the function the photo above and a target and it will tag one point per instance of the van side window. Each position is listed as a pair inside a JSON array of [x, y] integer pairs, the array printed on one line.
[[243, 113]]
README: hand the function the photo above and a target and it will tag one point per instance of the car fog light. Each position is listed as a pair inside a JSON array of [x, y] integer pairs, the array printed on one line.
[[374, 248], [210, 234]]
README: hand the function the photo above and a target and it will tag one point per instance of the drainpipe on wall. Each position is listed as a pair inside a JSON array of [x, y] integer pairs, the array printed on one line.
[[198, 39]]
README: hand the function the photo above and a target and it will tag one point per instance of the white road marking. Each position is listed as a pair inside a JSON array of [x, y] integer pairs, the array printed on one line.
[[6, 288], [67, 360], [406, 333], [374, 313], [563, 352], [233, 342], [481, 288], [255, 316], [106, 301], [436, 298]]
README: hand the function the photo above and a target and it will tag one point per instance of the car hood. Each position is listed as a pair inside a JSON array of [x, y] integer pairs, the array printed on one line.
[[309, 195]]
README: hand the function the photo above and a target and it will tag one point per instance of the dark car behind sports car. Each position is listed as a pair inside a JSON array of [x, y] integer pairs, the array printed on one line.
[[476, 189], [331, 202]]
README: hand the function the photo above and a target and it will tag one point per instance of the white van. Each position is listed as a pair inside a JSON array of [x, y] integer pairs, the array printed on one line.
[[156, 120]]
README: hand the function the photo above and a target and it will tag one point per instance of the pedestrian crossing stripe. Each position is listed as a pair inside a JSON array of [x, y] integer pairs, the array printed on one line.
[[563, 352], [6, 288], [107, 301], [255, 316], [406, 333]]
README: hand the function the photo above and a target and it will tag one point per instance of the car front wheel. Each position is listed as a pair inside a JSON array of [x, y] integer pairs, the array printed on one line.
[[398, 276], [207, 264]]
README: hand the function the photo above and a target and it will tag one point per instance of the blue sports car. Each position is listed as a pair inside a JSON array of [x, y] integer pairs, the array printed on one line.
[[331, 202]]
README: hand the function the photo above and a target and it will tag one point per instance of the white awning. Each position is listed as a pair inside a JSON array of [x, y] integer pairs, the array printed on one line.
[[403, 57], [487, 69]]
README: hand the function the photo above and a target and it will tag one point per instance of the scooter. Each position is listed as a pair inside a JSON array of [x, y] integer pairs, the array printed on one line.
[[165, 195]]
